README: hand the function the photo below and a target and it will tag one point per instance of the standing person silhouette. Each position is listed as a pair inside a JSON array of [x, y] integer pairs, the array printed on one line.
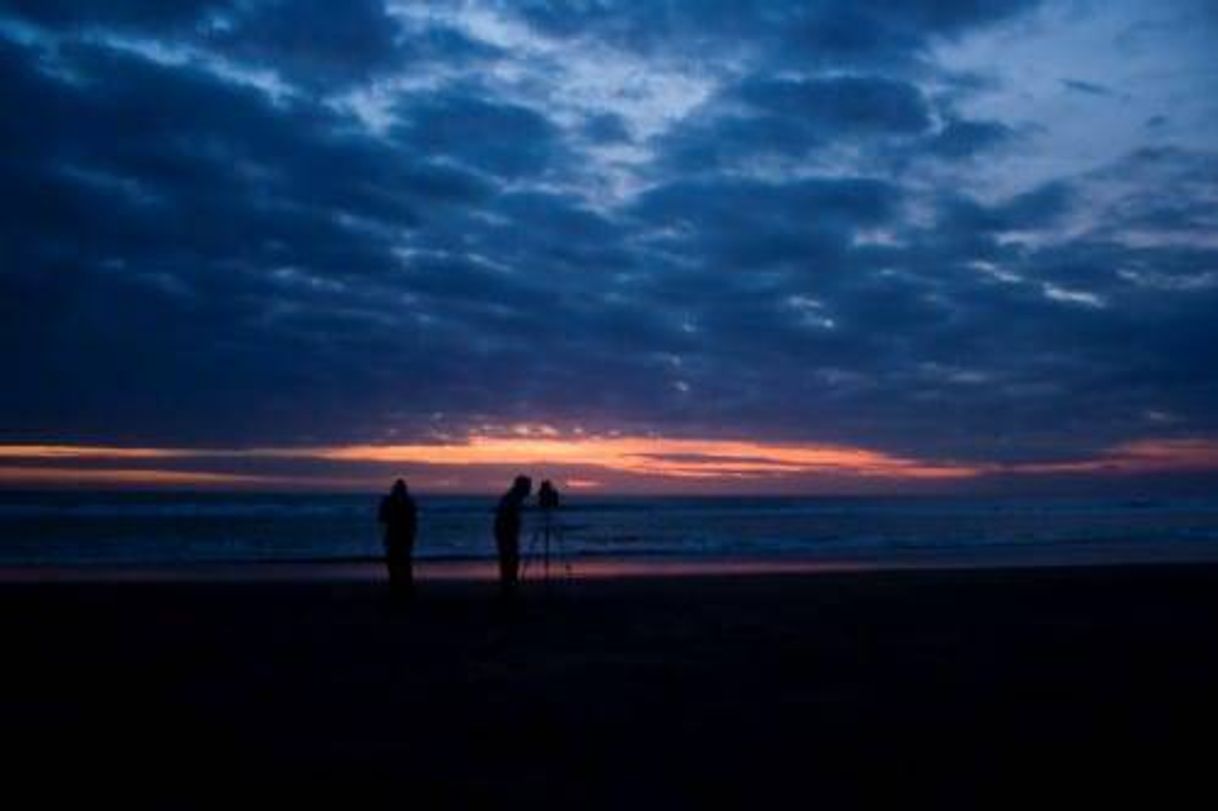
[[547, 500], [400, 517], [507, 533]]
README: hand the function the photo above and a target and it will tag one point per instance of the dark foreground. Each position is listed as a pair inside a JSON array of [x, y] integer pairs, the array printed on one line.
[[963, 688]]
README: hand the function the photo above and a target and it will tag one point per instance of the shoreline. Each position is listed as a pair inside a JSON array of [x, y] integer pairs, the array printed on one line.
[[593, 567]]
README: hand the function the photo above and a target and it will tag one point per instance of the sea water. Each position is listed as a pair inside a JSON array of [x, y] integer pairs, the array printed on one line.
[[72, 528]]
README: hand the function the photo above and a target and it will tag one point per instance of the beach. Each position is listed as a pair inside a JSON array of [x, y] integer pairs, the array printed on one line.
[[963, 687]]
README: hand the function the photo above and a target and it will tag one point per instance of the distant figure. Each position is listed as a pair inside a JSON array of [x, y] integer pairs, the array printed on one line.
[[547, 500], [507, 532], [400, 518], [547, 496]]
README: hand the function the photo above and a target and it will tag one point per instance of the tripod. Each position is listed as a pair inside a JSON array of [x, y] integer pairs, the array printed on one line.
[[549, 538]]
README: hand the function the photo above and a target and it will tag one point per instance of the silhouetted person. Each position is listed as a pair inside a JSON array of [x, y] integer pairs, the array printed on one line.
[[547, 500], [507, 532], [547, 496], [400, 518]]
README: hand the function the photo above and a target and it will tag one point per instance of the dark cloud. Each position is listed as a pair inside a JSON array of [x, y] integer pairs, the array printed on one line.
[[149, 15], [391, 238], [495, 137], [891, 121], [312, 39], [315, 45], [966, 139], [1032, 210], [1087, 88], [844, 106], [606, 128], [857, 33]]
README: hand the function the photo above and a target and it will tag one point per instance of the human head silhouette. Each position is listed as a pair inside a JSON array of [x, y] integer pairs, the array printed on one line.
[[522, 486], [399, 489]]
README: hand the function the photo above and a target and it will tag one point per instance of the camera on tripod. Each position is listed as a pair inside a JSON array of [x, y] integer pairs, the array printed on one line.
[[547, 496], [548, 536]]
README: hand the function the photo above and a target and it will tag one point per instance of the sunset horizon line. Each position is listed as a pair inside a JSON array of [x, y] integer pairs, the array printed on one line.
[[606, 464]]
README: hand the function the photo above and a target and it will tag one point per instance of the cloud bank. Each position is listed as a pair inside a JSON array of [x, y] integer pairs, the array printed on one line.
[[949, 233]]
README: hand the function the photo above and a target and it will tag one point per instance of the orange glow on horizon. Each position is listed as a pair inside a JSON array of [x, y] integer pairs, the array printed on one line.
[[638, 458], [670, 458], [1141, 456]]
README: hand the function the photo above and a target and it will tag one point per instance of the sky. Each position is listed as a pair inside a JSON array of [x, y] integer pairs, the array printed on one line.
[[690, 245]]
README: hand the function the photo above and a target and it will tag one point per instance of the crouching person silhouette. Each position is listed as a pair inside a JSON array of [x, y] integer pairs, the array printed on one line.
[[507, 533], [400, 518]]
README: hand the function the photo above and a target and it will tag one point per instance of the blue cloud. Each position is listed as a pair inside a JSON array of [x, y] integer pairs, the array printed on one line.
[[225, 223]]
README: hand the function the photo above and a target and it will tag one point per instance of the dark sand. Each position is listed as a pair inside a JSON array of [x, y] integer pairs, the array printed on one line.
[[965, 688]]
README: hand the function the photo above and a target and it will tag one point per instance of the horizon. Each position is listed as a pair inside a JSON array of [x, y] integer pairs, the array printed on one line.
[[638, 467], [1192, 490], [801, 249]]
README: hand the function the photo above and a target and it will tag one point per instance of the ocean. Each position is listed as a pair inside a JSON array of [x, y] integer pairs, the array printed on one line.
[[121, 528]]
